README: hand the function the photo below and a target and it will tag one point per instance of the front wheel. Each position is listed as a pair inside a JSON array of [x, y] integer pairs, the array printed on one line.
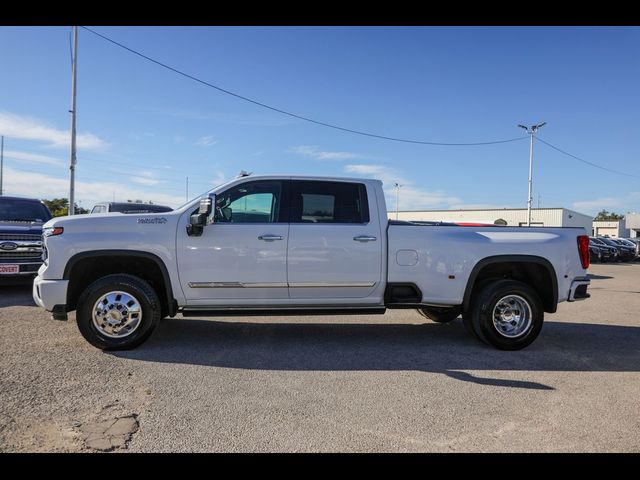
[[507, 314], [440, 314], [118, 312]]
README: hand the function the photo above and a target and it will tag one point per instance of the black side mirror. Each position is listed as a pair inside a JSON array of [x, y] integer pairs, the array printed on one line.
[[198, 220]]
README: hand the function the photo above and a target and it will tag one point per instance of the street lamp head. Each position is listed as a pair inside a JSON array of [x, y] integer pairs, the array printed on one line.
[[522, 126], [540, 125]]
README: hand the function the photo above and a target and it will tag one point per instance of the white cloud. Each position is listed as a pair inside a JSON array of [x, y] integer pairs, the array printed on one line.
[[27, 128], [369, 170], [598, 203], [144, 178], [219, 179], [478, 206], [33, 158], [206, 141], [410, 197], [141, 177], [22, 183], [314, 152], [140, 136]]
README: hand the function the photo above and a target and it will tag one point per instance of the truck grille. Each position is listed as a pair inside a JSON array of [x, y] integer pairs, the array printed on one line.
[[19, 255], [16, 236]]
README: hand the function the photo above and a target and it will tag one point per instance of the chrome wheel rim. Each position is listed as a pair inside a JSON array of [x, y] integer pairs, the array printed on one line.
[[512, 316], [117, 314]]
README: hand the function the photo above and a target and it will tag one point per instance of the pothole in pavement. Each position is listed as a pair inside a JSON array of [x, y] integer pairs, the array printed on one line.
[[110, 434]]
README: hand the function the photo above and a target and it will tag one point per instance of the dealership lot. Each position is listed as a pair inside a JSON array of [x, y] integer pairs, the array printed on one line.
[[379, 383]]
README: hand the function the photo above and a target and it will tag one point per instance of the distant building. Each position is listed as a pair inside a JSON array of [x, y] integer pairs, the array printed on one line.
[[632, 223], [540, 217], [610, 228]]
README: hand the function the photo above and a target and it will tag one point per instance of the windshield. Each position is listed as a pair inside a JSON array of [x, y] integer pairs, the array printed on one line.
[[597, 241], [23, 211], [139, 208], [610, 242]]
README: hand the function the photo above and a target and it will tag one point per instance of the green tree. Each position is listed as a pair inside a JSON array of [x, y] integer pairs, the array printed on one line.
[[60, 207], [605, 215]]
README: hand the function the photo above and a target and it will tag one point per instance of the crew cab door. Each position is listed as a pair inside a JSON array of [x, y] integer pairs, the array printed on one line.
[[335, 245], [243, 253]]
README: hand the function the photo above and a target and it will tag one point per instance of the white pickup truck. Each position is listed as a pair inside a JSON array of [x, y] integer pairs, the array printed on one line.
[[302, 245]]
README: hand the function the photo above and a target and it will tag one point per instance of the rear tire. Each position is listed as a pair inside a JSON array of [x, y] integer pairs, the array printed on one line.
[[118, 312], [507, 314], [467, 315], [440, 314]]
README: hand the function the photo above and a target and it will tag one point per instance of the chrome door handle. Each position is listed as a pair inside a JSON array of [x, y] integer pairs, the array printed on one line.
[[365, 238], [270, 238]]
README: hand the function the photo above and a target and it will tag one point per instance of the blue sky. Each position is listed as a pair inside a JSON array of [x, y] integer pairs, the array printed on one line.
[[143, 130]]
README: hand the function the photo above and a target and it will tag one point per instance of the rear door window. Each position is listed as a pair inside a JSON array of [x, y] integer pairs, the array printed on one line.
[[328, 202]]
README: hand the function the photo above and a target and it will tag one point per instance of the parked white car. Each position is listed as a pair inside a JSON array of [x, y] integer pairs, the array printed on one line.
[[267, 244]]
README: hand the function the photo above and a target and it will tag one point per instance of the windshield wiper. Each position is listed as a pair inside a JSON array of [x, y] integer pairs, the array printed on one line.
[[19, 220]]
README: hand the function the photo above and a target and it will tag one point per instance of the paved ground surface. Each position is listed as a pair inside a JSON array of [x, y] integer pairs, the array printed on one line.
[[380, 383]]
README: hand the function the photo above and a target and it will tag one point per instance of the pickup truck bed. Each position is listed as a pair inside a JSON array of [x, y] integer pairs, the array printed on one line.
[[441, 260]]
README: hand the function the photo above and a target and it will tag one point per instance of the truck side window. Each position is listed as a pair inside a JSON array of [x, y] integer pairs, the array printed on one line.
[[251, 202], [328, 202]]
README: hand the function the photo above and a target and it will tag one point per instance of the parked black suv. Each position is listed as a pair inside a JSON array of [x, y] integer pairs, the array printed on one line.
[[625, 254], [21, 221], [612, 252]]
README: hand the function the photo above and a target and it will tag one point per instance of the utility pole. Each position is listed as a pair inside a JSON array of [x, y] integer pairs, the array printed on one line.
[[1, 162], [397, 185], [72, 166], [531, 131]]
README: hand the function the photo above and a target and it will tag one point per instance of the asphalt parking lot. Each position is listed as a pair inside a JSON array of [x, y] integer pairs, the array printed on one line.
[[387, 383]]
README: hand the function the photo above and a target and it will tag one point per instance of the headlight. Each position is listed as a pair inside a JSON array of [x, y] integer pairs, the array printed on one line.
[[50, 231]]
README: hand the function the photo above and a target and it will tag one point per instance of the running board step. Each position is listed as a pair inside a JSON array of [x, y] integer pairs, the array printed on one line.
[[251, 312]]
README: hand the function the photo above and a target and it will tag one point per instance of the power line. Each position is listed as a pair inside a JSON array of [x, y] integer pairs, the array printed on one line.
[[587, 162], [90, 176], [284, 112]]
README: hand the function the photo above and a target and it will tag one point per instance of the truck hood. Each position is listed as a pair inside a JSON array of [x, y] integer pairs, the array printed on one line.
[[21, 228], [114, 223]]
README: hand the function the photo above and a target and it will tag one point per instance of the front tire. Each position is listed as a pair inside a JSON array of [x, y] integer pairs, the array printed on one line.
[[507, 314], [118, 312], [440, 314]]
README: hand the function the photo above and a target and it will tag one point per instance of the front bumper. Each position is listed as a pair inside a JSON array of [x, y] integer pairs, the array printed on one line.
[[24, 268], [578, 290], [50, 293]]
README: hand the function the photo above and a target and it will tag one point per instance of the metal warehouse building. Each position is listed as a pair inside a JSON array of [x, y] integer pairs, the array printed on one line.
[[610, 228], [632, 223], [540, 217]]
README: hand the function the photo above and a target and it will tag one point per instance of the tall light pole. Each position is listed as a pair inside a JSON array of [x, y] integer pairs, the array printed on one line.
[[398, 186], [72, 166], [531, 131]]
